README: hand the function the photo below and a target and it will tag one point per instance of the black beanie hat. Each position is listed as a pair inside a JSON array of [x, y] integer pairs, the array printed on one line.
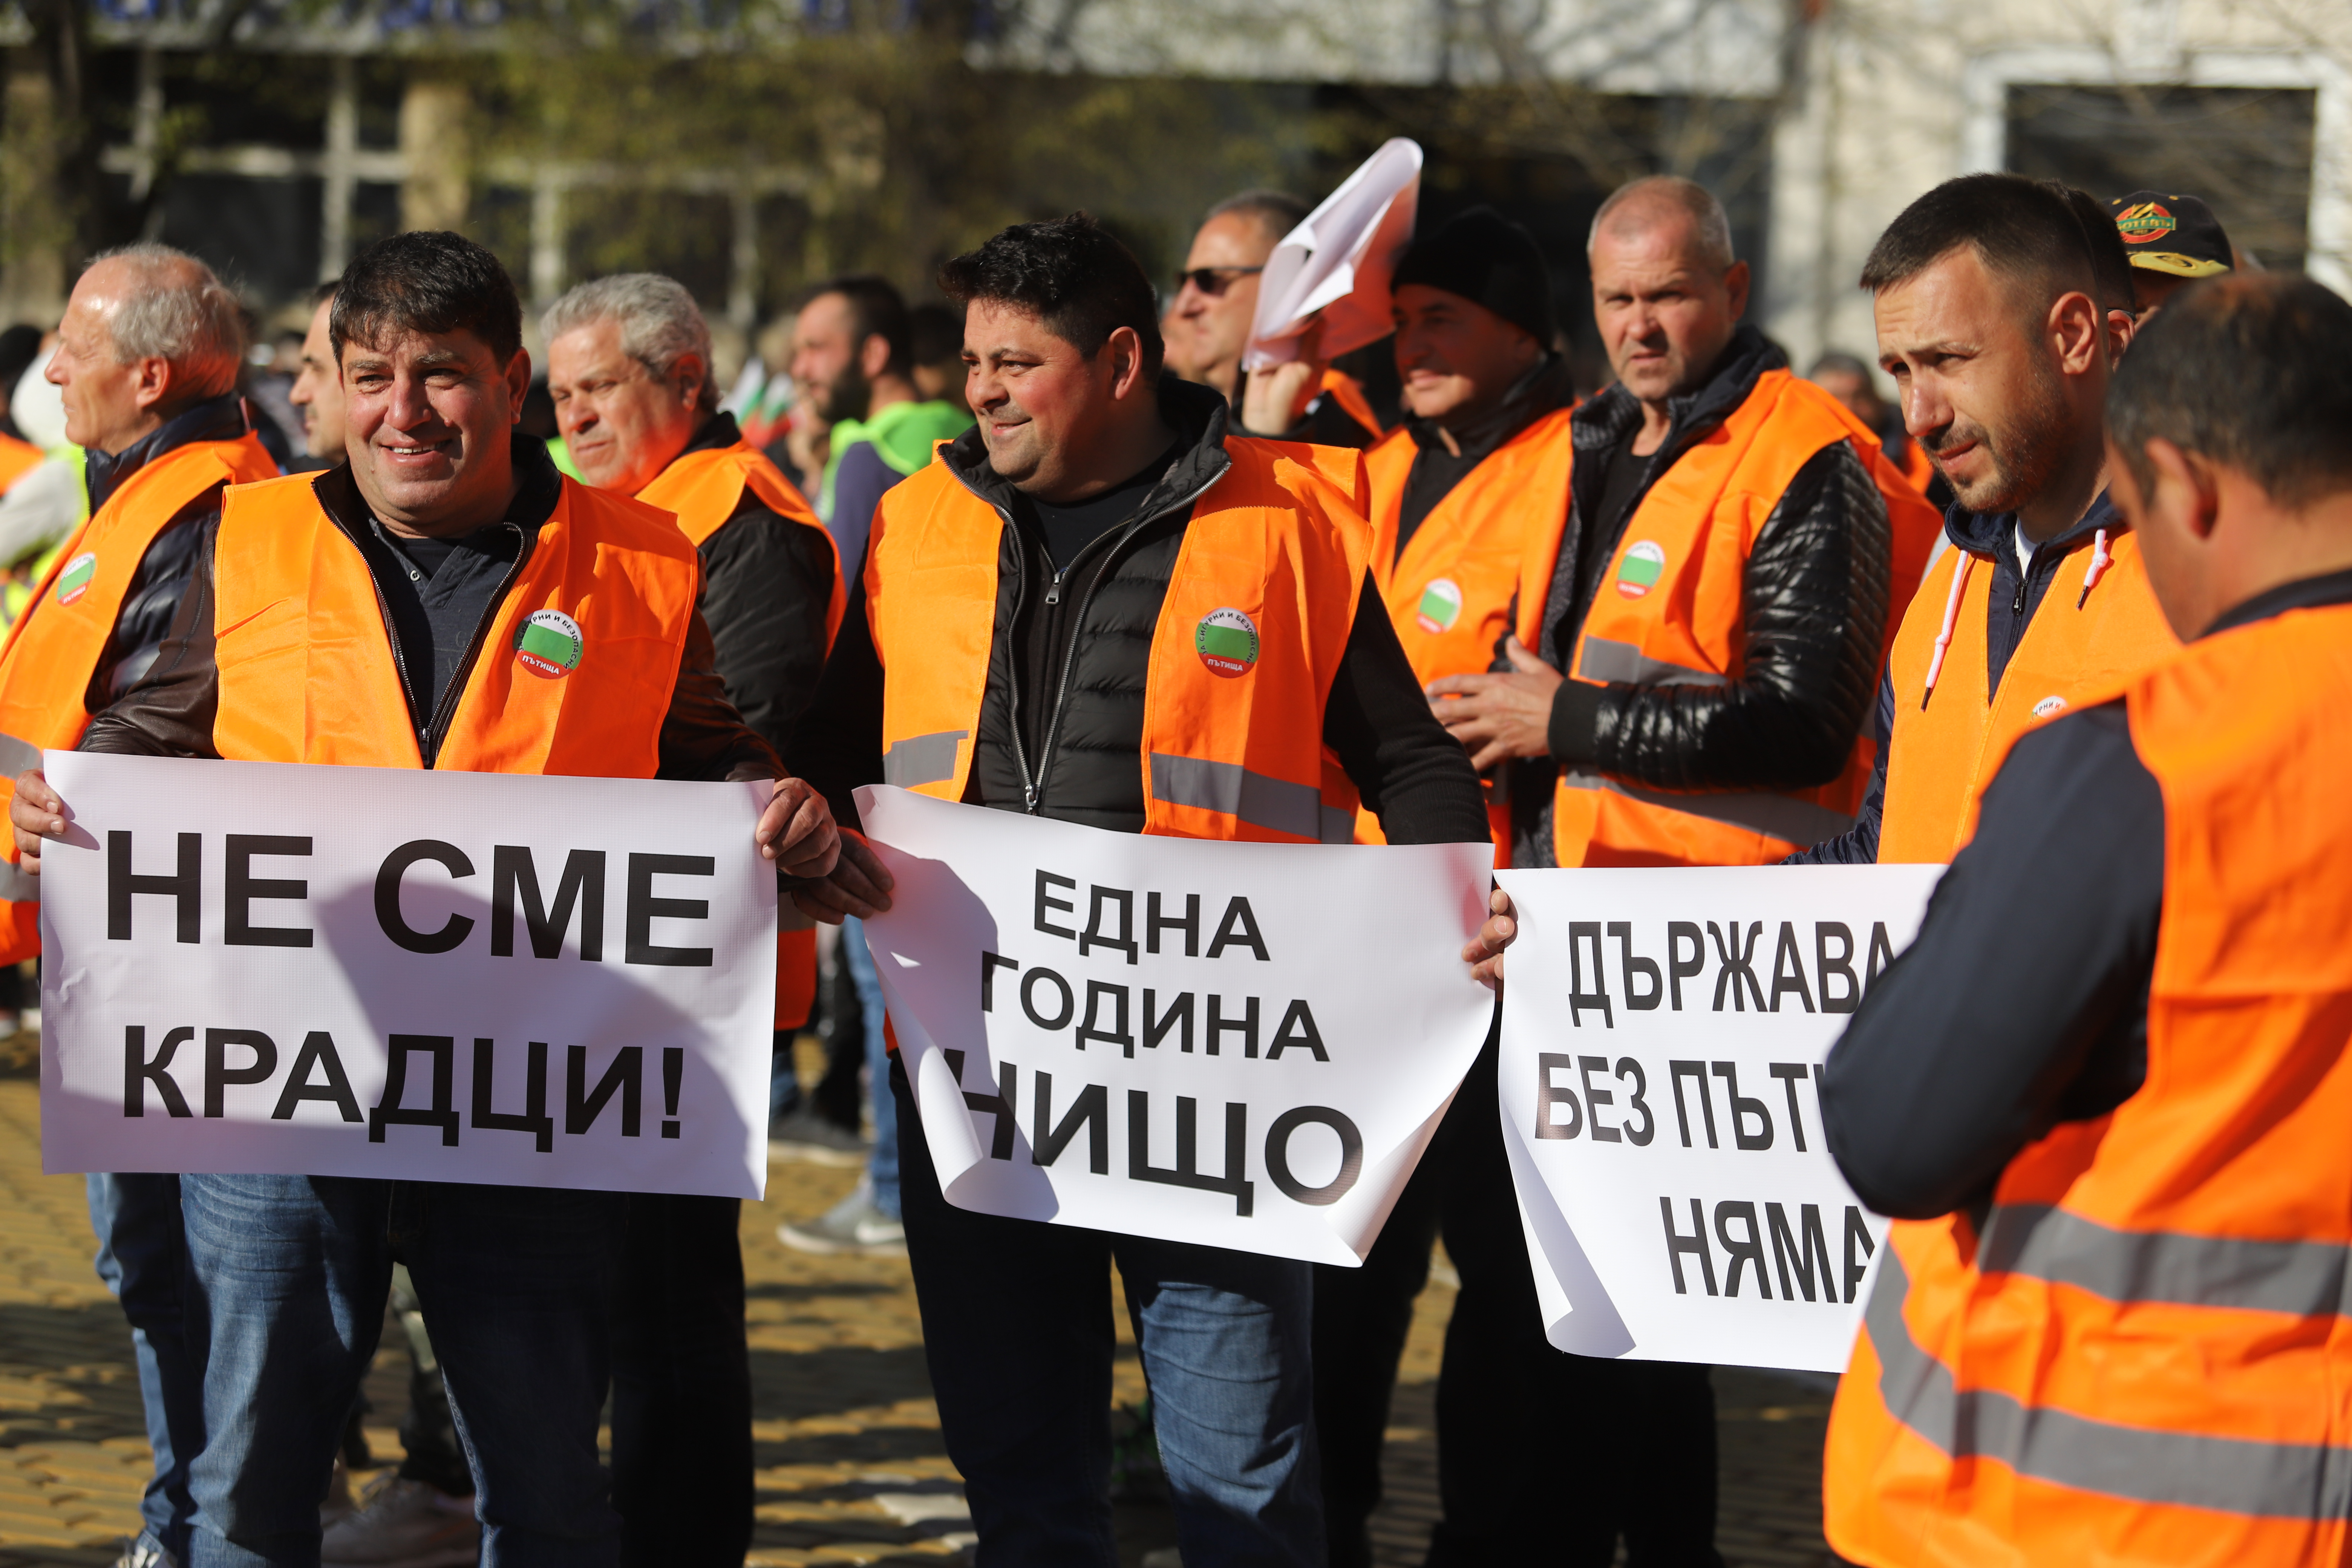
[[1488, 261]]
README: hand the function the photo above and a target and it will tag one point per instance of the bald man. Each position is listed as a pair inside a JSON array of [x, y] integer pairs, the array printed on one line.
[[1696, 651]]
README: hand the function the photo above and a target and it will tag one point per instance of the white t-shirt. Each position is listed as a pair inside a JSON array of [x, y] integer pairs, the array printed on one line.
[[2025, 551]]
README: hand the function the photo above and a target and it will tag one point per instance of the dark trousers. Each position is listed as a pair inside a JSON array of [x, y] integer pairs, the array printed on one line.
[[681, 1386], [1542, 1457]]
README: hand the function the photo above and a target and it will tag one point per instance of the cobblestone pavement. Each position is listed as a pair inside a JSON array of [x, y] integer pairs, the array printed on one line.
[[852, 1469]]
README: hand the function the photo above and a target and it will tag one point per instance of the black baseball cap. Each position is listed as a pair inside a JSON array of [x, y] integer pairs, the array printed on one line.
[[2172, 234]]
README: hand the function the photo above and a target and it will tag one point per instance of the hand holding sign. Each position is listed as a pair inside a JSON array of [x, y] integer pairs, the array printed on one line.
[[34, 815]]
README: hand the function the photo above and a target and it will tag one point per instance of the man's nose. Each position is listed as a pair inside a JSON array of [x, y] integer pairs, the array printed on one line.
[[1926, 410]]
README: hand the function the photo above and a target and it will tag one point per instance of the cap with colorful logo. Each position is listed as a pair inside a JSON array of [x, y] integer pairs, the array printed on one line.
[[549, 644], [1226, 641], [2174, 234]]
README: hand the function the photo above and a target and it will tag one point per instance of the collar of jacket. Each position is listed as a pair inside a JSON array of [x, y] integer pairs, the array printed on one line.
[[534, 501], [1994, 533], [1544, 387], [1198, 416], [718, 433], [1605, 419], [219, 418], [2318, 593]]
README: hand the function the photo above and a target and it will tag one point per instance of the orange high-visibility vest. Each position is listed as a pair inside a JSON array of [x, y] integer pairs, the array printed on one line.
[[55, 646], [1250, 636], [1449, 592], [2146, 1356], [18, 458], [574, 677], [702, 489], [1670, 610], [2081, 641]]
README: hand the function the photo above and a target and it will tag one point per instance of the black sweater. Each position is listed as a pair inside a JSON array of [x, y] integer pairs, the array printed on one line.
[[1063, 714]]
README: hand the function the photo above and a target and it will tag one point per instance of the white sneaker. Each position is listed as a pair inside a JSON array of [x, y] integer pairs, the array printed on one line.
[[852, 1225], [403, 1524]]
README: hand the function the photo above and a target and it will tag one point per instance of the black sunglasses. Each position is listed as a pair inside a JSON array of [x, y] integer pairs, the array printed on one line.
[[1213, 280]]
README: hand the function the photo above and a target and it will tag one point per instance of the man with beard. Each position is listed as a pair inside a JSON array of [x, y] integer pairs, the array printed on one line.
[[1995, 321], [854, 348]]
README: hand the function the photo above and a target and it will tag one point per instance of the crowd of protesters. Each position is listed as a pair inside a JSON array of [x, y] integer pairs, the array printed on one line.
[[1709, 613]]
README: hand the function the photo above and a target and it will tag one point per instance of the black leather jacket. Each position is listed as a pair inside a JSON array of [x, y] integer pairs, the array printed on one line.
[[1815, 598]]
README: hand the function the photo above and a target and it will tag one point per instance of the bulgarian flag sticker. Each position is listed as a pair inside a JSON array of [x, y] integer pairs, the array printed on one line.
[[1639, 571], [549, 645], [1440, 607], [74, 580], [1226, 641]]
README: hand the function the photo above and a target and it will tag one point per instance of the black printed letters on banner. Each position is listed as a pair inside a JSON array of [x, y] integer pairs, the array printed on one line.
[[243, 888]]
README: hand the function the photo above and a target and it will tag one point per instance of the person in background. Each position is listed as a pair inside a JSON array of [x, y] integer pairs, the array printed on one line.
[[1693, 663], [629, 368], [442, 554], [1846, 378], [1482, 460], [1208, 326], [936, 335], [1091, 470], [2171, 241], [20, 346], [854, 348], [146, 366], [2104, 1325], [316, 394]]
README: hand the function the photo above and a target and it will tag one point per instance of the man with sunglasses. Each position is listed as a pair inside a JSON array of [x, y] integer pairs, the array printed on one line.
[[1208, 326]]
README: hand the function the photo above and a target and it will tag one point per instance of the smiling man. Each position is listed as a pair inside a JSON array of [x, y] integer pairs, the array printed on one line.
[[377, 615], [1693, 658], [1035, 632]]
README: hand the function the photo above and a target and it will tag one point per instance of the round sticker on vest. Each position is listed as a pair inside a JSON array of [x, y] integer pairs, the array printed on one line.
[[1226, 641], [550, 644], [75, 580], [1639, 573], [2049, 705], [1440, 607], [2145, 222]]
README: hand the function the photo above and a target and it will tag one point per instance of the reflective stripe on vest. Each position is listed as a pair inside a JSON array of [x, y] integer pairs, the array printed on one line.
[[2081, 643], [54, 645], [1271, 563], [2152, 1332], [1670, 610], [702, 489], [307, 670], [2228, 1475], [1448, 592]]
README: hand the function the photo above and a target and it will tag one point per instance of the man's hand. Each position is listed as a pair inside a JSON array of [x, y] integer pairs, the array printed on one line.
[[1484, 956], [796, 831], [36, 814], [858, 884], [1498, 717], [1275, 400]]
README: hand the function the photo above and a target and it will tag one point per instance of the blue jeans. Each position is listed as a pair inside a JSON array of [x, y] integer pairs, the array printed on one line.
[[291, 1278], [143, 1256], [1018, 1335], [882, 1164]]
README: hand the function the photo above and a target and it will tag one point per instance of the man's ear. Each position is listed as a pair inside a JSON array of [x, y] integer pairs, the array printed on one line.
[[687, 374], [2188, 489], [156, 381], [518, 380], [874, 355], [1124, 352], [1735, 280], [2078, 331]]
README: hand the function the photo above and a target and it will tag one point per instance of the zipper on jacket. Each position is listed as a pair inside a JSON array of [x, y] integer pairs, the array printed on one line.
[[448, 705], [1034, 790]]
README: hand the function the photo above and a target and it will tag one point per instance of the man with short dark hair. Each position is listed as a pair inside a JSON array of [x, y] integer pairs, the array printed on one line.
[[1208, 324], [1997, 321], [1688, 677], [1112, 510], [318, 391], [2105, 1092], [418, 561], [853, 348]]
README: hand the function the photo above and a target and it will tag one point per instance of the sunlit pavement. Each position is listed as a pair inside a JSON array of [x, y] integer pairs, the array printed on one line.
[[852, 1469]]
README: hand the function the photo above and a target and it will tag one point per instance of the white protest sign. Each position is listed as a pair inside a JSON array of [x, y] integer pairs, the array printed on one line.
[[1663, 1036], [378, 972], [1245, 1046], [1335, 265]]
